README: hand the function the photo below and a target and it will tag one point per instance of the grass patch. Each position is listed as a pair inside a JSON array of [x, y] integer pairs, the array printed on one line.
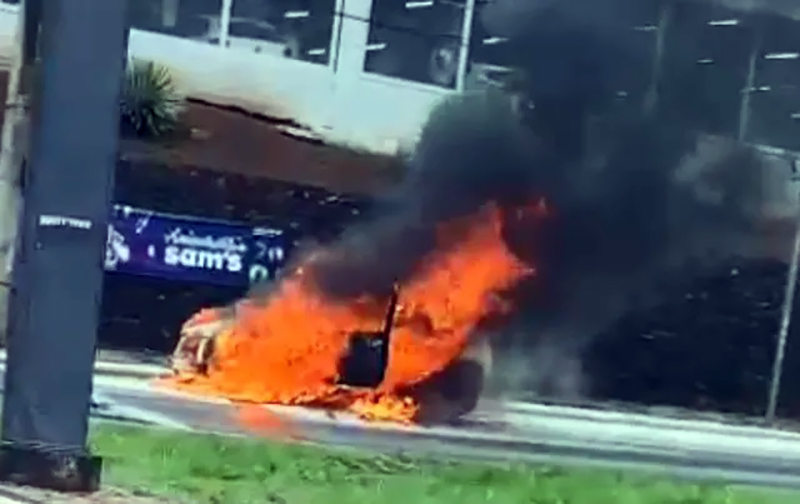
[[222, 470]]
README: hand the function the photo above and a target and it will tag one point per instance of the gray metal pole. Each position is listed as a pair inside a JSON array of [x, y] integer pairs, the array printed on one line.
[[749, 86], [651, 97], [466, 35], [785, 323]]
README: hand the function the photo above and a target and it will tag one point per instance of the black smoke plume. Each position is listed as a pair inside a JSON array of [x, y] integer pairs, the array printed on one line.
[[655, 205], [472, 150]]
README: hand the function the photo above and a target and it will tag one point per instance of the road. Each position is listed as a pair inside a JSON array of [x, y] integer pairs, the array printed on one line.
[[502, 431], [497, 431]]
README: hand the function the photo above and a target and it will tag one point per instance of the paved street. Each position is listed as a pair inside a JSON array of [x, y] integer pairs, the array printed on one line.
[[500, 431], [497, 431]]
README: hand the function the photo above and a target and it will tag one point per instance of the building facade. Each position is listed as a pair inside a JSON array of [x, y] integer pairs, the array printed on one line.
[[365, 73]]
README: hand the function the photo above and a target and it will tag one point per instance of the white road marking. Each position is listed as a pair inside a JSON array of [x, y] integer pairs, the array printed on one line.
[[112, 407], [542, 411]]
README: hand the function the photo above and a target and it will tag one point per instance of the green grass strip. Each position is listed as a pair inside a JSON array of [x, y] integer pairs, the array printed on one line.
[[211, 469]]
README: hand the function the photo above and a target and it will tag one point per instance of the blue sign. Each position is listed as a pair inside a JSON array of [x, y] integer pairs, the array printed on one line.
[[142, 242]]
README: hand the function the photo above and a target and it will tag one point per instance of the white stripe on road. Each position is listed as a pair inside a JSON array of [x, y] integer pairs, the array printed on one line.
[[113, 408], [543, 412], [147, 416]]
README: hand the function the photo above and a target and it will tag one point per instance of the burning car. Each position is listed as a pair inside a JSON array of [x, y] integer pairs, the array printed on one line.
[[445, 396], [414, 354]]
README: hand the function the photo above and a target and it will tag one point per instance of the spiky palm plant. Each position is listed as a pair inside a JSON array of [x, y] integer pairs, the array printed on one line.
[[150, 104]]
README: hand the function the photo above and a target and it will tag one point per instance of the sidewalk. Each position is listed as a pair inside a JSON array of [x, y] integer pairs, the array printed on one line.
[[122, 364], [10, 494]]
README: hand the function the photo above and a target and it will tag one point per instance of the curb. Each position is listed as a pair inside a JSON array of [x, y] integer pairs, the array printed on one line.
[[143, 371], [118, 370]]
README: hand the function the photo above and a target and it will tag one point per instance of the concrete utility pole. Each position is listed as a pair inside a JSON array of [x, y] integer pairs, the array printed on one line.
[[77, 67]]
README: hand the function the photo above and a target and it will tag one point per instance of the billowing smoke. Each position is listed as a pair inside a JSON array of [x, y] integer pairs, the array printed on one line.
[[657, 205], [654, 206], [473, 149], [477, 147]]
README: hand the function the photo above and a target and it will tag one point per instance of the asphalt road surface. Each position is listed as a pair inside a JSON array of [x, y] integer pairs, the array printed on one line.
[[497, 431], [502, 431]]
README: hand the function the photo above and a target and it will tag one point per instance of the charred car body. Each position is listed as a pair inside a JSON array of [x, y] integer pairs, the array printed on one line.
[[445, 396]]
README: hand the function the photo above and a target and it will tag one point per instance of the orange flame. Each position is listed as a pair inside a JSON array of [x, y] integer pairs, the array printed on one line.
[[286, 349]]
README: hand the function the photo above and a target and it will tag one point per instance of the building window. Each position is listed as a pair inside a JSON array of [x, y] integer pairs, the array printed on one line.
[[774, 114], [416, 40], [193, 19], [556, 46], [490, 58], [295, 29], [706, 65]]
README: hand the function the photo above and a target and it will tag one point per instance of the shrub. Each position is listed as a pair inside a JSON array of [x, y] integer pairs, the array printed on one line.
[[149, 104]]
